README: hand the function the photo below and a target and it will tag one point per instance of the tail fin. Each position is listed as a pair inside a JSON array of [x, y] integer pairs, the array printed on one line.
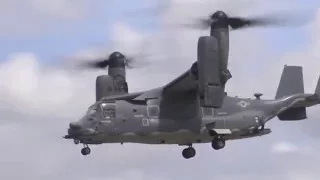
[[317, 91], [291, 82]]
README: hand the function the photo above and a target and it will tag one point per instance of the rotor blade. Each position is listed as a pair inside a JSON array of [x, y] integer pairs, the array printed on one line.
[[96, 64], [276, 19], [96, 56], [128, 64], [77, 63], [237, 23], [200, 23], [136, 62]]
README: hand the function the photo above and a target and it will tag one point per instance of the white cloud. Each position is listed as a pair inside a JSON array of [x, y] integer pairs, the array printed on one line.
[[36, 16], [37, 102], [33, 89], [284, 147]]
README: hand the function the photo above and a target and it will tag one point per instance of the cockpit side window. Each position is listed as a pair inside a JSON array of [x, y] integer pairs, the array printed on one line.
[[108, 110], [92, 111]]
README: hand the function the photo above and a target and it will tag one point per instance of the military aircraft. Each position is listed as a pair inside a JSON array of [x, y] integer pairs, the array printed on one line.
[[193, 108], [151, 118]]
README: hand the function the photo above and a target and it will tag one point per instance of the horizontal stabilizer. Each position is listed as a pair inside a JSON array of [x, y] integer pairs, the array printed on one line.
[[293, 114]]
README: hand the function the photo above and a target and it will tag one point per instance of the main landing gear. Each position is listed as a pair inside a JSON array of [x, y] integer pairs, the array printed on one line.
[[188, 152], [218, 143]]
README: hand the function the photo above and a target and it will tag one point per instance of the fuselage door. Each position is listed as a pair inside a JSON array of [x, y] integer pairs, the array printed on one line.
[[153, 112]]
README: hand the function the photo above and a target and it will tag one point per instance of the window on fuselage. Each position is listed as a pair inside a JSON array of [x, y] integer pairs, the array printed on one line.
[[108, 110], [207, 111], [153, 111]]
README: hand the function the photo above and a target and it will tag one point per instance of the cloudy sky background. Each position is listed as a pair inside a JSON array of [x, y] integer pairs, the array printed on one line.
[[38, 98]]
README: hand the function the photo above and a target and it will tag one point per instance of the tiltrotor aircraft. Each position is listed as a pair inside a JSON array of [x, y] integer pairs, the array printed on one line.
[[193, 108]]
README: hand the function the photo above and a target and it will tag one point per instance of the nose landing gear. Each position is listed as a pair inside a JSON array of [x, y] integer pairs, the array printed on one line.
[[85, 150]]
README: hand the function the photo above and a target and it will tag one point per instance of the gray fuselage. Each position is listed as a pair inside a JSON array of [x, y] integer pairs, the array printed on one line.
[[120, 121]]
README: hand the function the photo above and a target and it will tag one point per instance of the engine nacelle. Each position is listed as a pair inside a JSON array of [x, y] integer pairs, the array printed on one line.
[[211, 79], [107, 85], [104, 86], [115, 82]]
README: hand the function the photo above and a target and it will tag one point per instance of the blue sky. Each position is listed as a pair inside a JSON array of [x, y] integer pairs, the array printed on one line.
[[290, 38], [94, 30], [68, 38]]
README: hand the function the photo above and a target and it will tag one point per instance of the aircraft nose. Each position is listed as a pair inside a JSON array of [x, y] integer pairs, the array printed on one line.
[[74, 125]]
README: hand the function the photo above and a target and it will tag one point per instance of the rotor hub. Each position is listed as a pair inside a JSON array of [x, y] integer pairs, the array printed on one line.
[[219, 15], [116, 55], [116, 59], [219, 19]]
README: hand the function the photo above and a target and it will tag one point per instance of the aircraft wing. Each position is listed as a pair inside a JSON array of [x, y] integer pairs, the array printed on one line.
[[182, 84], [205, 76], [180, 97]]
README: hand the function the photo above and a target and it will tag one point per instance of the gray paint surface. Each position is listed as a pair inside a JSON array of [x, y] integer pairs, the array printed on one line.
[[180, 120]]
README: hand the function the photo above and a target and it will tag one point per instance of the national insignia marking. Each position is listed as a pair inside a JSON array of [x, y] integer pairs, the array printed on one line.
[[243, 104]]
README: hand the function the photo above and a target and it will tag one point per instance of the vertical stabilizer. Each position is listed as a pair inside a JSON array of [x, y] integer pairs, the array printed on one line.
[[291, 81], [317, 91]]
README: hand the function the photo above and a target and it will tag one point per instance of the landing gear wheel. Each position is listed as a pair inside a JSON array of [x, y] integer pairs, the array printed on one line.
[[218, 143], [189, 152], [85, 151]]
